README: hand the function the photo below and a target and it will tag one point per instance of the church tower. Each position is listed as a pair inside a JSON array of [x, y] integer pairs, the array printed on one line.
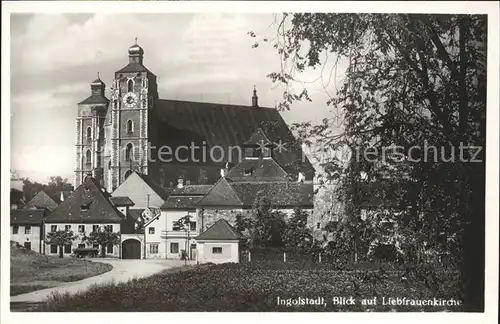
[[90, 134], [129, 121]]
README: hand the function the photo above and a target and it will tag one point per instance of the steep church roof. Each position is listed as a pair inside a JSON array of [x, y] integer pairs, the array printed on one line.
[[185, 122], [87, 204], [41, 200]]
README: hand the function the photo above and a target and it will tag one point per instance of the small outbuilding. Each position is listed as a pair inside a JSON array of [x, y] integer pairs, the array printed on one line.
[[220, 243]]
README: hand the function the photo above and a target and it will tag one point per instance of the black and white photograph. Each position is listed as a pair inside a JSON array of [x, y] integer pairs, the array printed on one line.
[[252, 157]]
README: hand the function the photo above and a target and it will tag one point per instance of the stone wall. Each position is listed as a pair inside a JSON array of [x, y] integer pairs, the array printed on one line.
[[210, 216]]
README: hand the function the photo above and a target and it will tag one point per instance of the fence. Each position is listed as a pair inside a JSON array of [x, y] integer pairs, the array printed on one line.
[[277, 258]]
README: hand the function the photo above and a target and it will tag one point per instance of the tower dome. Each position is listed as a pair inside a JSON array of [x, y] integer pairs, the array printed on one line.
[[135, 49], [97, 82]]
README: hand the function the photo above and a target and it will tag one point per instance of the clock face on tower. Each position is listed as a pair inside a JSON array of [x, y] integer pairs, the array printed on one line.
[[130, 100]]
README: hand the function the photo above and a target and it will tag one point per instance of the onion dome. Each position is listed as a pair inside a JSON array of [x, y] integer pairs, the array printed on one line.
[[135, 49], [97, 82]]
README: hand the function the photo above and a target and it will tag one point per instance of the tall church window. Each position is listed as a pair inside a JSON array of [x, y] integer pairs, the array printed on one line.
[[89, 133], [130, 85], [128, 152], [109, 165], [88, 157], [130, 126]]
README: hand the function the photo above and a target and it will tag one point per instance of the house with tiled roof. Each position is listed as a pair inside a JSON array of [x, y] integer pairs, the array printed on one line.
[[136, 145], [181, 203], [146, 196], [267, 170], [41, 201], [220, 243], [26, 228], [89, 209]]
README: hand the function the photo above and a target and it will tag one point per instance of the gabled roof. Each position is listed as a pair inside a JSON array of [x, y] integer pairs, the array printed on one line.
[[257, 137], [133, 67], [42, 200], [191, 190], [222, 194], [221, 230], [121, 201], [97, 208], [261, 170], [26, 216], [284, 194], [94, 99], [153, 185], [135, 213], [181, 202]]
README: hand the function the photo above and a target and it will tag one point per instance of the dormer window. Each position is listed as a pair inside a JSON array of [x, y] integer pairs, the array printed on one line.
[[85, 207], [247, 172]]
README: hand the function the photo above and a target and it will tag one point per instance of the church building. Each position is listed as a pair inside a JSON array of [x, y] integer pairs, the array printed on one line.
[[124, 134]]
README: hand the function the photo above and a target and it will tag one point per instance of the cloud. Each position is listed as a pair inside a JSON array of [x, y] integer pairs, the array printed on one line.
[[199, 57]]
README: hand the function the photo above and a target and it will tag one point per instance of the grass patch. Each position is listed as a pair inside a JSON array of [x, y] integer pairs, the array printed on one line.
[[254, 287], [23, 289], [30, 271]]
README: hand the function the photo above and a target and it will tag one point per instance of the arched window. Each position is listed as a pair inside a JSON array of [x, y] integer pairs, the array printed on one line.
[[88, 157], [89, 133], [128, 152], [129, 172], [130, 126], [109, 165], [130, 85]]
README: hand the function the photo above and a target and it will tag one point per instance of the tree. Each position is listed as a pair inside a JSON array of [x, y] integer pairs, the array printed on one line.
[[60, 238], [297, 234], [268, 224], [54, 187], [184, 223], [411, 81], [103, 238]]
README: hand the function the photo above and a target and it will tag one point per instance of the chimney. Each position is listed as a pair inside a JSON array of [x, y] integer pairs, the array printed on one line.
[[224, 170], [255, 99], [301, 177], [180, 183]]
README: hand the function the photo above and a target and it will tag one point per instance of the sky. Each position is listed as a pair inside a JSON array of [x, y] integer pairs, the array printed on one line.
[[200, 57]]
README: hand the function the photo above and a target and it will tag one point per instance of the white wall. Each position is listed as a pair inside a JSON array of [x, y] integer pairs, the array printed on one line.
[[230, 252], [87, 228], [137, 190], [21, 237]]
